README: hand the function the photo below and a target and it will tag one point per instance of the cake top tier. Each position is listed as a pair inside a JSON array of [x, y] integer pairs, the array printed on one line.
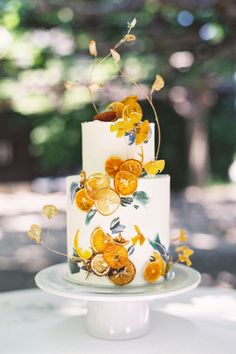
[[98, 144]]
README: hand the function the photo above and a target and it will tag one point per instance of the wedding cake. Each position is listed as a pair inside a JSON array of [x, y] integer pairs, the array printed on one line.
[[118, 207]]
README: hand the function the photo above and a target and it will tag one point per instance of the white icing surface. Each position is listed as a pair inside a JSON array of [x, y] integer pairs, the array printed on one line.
[[98, 143], [152, 219]]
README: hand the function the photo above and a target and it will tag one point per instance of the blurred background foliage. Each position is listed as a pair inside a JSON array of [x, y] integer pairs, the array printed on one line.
[[190, 43]]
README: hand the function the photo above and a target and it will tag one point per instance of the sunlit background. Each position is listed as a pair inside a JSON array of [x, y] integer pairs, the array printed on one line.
[[192, 44]]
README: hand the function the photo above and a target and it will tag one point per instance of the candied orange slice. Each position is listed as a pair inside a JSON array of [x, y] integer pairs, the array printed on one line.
[[109, 116], [125, 183], [112, 165], [109, 203], [116, 256], [154, 270], [82, 200], [100, 240], [142, 132], [97, 185], [123, 276], [131, 101], [132, 166], [81, 253], [99, 265]]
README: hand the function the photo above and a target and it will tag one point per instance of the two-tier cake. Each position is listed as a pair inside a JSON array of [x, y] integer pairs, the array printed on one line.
[[118, 207]]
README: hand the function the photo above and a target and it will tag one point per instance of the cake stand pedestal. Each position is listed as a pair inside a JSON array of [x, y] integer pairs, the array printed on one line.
[[116, 313]]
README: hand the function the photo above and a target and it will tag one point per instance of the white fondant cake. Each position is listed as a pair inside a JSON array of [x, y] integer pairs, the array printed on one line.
[[147, 208], [98, 144]]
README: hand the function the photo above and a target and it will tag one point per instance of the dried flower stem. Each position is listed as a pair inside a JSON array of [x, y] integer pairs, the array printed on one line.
[[52, 250], [150, 102], [96, 65]]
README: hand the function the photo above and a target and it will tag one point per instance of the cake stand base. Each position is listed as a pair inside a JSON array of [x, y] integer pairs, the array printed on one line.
[[119, 320], [116, 313]]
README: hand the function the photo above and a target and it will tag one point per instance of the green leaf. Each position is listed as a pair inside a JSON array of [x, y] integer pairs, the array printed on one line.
[[73, 189], [124, 201], [157, 245], [74, 267], [90, 215], [141, 197]]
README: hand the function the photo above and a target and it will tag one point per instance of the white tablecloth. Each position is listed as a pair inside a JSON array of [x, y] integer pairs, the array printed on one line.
[[201, 321]]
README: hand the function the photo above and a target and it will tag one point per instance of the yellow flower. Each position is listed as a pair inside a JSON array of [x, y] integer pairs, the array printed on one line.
[[135, 117], [35, 232], [134, 106], [182, 236], [121, 127], [154, 167], [184, 253], [50, 211], [139, 237], [143, 131]]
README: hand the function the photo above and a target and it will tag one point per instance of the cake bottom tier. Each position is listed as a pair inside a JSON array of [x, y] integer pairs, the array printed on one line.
[[128, 247]]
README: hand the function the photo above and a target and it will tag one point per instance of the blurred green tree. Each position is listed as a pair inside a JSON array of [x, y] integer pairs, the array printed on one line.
[[190, 43]]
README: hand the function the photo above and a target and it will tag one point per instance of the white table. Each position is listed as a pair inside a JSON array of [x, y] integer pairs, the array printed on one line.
[[201, 321]]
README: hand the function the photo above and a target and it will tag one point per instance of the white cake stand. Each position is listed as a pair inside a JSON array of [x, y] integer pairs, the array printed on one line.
[[121, 312]]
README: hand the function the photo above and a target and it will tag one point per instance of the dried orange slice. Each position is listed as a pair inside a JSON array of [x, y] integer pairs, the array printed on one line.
[[98, 265], [97, 185], [81, 253], [125, 183], [109, 203], [112, 165], [82, 200], [123, 276], [143, 131], [132, 166], [154, 270], [116, 256], [100, 240]]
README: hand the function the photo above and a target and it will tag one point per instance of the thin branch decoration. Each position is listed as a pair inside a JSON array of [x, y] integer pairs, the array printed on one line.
[[93, 87]]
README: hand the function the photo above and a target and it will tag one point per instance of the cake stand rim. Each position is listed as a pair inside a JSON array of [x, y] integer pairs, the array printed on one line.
[[81, 294]]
